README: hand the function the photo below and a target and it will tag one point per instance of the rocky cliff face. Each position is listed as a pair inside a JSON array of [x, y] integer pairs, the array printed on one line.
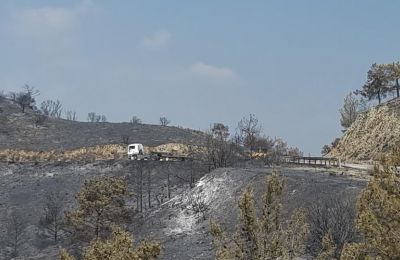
[[375, 132]]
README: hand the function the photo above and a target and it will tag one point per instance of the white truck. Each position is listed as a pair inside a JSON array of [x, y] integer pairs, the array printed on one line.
[[136, 152]]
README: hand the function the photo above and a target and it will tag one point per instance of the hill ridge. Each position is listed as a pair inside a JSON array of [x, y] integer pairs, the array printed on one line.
[[18, 131]]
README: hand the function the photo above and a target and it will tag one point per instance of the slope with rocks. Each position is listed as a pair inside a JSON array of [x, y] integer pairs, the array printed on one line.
[[18, 131], [375, 132]]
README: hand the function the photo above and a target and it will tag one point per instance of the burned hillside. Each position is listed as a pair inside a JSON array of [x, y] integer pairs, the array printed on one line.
[[19, 131]]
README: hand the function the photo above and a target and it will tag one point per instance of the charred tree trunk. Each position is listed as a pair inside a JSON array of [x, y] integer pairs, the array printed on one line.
[[168, 185], [168, 181], [191, 174], [149, 187], [379, 97]]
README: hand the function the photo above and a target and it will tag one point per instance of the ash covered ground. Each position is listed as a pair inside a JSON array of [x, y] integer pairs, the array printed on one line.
[[183, 233]]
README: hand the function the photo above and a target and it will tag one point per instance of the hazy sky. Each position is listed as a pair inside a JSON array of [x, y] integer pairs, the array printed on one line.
[[197, 62]]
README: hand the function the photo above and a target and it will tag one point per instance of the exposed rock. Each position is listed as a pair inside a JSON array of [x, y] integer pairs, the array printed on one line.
[[374, 132]]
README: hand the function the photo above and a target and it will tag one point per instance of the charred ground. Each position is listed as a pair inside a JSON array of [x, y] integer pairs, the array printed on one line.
[[18, 131], [183, 233], [168, 214]]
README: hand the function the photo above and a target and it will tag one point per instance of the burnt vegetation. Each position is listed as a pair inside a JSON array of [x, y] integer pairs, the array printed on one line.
[[260, 214]]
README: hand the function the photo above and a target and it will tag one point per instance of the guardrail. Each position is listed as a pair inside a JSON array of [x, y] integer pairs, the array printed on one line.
[[312, 161]]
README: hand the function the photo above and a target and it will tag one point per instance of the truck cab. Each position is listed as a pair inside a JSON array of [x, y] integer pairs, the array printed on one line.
[[135, 150]]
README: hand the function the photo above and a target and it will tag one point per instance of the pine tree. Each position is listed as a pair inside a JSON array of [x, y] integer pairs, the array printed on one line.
[[101, 203], [378, 217], [246, 236], [377, 83], [65, 256], [118, 247], [267, 236], [328, 248], [393, 74], [296, 233]]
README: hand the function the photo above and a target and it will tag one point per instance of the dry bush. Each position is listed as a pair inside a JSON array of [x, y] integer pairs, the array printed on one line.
[[267, 236], [97, 153], [38, 120], [198, 205], [334, 215], [118, 247]]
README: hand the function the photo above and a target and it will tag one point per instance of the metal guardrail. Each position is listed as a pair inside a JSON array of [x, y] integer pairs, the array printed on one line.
[[312, 161]]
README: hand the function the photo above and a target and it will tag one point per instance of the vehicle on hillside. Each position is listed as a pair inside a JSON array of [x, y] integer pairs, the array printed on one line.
[[136, 152]]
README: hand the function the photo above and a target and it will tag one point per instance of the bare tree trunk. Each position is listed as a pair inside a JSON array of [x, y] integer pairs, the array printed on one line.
[[397, 87], [379, 97], [141, 189], [168, 182], [97, 226], [15, 228], [149, 187]]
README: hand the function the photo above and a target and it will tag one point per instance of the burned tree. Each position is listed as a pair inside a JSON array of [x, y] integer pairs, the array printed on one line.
[[26, 98], [135, 120], [349, 111], [15, 232], [71, 115], [249, 130], [51, 108], [95, 118], [103, 119], [332, 215], [136, 183], [149, 187], [92, 117], [2, 95], [39, 119], [53, 213], [164, 121], [125, 139], [216, 145]]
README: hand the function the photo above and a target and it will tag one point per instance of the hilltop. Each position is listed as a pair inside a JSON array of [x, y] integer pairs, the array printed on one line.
[[374, 132], [18, 131]]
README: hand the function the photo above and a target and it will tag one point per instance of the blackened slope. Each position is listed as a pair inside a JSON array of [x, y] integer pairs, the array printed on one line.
[[17, 131]]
